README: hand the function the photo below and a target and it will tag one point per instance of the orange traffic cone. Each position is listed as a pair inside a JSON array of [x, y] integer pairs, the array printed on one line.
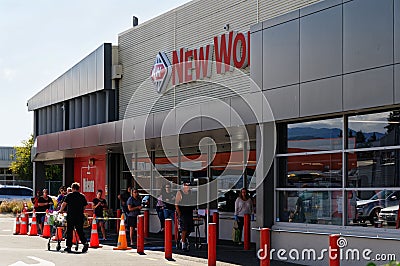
[[75, 238], [94, 237], [59, 235], [24, 224], [33, 231], [46, 227], [17, 224], [122, 243]]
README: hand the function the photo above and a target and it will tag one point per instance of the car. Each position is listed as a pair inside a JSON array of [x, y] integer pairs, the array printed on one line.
[[9, 193], [145, 201], [389, 215], [369, 209]]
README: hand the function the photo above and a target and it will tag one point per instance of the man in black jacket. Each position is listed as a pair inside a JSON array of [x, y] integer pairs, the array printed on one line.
[[76, 203]]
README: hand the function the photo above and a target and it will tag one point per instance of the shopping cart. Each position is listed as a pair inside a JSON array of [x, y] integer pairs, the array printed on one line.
[[57, 220]]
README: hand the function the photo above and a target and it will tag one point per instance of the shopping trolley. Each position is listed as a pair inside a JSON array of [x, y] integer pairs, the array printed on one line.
[[57, 220]]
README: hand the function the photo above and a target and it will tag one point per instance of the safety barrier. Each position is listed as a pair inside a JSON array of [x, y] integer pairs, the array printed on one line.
[[212, 244], [140, 234], [334, 255], [246, 232], [168, 239], [146, 223], [265, 247]]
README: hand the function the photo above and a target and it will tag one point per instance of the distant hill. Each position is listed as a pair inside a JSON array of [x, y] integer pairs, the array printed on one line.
[[303, 133]]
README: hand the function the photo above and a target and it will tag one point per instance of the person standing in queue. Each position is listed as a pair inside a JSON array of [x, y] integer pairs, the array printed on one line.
[[99, 204], [184, 205], [76, 203], [134, 206], [44, 203], [243, 205]]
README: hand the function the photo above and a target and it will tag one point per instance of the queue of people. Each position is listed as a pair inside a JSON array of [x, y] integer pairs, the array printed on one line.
[[169, 204]]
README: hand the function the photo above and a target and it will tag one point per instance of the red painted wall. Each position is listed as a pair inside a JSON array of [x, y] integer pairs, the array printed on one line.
[[91, 177]]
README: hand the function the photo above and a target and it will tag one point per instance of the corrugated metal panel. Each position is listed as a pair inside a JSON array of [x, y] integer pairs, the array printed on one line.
[[5, 153], [85, 77], [273, 8], [190, 26]]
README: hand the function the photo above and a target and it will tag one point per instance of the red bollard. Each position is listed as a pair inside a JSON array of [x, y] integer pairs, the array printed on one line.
[[140, 234], [118, 220], [334, 252], [168, 239], [212, 244], [146, 223], [246, 232], [216, 221], [176, 232], [265, 247]]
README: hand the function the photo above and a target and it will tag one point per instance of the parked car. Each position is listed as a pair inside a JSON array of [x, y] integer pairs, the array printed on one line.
[[8, 193], [145, 201], [389, 215], [368, 210]]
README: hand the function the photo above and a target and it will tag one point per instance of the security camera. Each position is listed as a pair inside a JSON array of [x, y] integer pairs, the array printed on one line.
[[226, 27]]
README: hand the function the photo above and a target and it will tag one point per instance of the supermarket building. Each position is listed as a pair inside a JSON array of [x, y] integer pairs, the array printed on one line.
[[328, 161]]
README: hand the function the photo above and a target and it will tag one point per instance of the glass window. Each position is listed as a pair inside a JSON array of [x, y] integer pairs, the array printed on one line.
[[319, 170], [379, 168], [311, 207], [374, 130], [321, 135], [377, 208]]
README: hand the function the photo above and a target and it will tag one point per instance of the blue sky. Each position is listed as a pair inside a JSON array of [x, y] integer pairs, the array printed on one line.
[[41, 39]]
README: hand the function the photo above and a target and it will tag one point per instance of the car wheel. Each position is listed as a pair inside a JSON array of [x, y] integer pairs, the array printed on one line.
[[373, 217], [391, 223]]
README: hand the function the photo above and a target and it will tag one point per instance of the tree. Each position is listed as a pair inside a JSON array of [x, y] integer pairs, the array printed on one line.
[[22, 165], [393, 119], [360, 137]]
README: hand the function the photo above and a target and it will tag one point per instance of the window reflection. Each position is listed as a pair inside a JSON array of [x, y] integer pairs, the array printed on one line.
[[374, 169], [322, 170], [313, 207], [374, 130], [321, 135], [378, 210]]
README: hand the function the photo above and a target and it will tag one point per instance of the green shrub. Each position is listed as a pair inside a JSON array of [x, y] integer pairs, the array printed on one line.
[[14, 206]]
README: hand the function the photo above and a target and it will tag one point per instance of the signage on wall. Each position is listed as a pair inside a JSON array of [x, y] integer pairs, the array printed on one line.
[[228, 51]]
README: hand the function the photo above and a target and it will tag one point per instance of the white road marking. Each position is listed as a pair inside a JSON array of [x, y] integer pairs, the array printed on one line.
[[41, 262], [6, 230]]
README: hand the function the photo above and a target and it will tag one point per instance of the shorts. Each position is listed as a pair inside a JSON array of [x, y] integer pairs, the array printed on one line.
[[132, 221], [186, 223], [40, 217]]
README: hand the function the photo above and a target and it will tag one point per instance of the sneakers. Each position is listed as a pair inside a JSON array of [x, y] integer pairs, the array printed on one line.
[[68, 250], [185, 245], [85, 248]]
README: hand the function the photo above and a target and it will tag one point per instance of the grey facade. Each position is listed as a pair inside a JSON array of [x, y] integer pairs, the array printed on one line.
[[333, 59]]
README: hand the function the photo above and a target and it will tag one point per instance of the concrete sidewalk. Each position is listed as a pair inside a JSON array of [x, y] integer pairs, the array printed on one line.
[[227, 253]]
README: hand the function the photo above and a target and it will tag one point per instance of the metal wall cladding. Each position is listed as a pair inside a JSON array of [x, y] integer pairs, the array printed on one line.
[[6, 153], [367, 34], [368, 89], [273, 8], [281, 55], [85, 77], [190, 26], [397, 31], [320, 43], [347, 58]]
